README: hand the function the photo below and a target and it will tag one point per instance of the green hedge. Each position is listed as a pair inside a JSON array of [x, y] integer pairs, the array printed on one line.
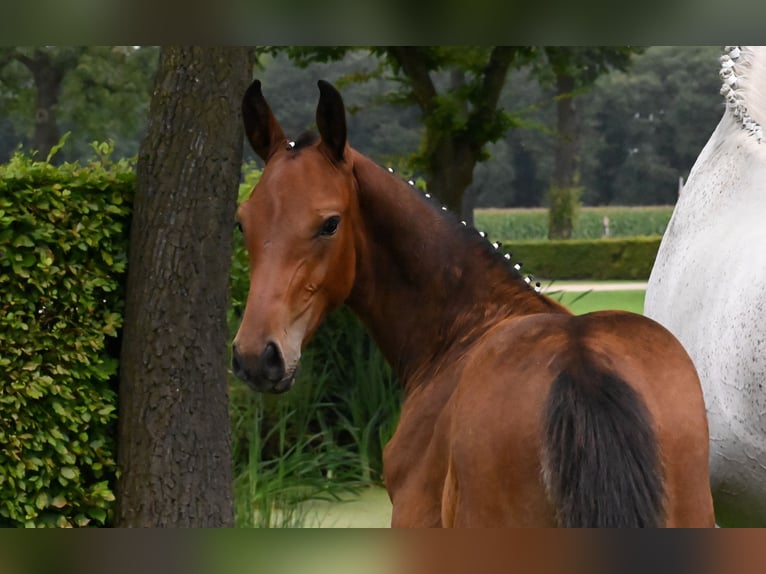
[[63, 243], [626, 258]]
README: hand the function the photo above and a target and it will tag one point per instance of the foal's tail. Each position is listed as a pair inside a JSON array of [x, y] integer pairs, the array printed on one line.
[[601, 461]]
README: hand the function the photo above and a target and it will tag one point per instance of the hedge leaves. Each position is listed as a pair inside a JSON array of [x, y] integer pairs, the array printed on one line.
[[63, 254]]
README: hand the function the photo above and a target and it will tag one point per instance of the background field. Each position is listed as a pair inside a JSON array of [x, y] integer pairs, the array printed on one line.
[[531, 224]]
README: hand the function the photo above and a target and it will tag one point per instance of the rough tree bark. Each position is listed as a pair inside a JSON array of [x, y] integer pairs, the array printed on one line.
[[174, 436]]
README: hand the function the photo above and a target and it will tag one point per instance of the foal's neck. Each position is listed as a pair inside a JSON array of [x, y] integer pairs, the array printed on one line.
[[427, 287]]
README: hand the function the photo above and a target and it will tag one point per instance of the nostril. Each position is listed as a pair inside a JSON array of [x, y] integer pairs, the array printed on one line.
[[272, 363]]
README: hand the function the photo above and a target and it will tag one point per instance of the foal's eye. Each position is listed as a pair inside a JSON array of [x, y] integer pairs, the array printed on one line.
[[330, 226]]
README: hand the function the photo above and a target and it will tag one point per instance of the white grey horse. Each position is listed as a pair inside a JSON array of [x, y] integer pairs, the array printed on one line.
[[708, 286]]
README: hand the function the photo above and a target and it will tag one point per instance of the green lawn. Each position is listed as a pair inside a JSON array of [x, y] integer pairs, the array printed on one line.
[[588, 301], [371, 509]]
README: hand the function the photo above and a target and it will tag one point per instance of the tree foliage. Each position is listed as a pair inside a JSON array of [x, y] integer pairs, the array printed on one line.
[[644, 128], [573, 69], [466, 120], [456, 90], [622, 158], [96, 93], [584, 64]]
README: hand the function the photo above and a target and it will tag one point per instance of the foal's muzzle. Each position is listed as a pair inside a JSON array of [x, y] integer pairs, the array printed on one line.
[[265, 372]]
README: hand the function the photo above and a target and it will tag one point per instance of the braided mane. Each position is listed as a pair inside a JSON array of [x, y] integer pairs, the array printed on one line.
[[743, 78]]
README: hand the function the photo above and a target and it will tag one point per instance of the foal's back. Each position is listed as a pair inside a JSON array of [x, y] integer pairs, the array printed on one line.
[[496, 424]]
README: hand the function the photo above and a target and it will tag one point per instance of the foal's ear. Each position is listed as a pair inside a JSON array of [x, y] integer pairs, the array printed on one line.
[[261, 127], [331, 120]]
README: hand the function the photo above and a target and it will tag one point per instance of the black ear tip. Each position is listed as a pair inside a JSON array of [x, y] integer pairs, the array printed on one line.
[[254, 89], [326, 88]]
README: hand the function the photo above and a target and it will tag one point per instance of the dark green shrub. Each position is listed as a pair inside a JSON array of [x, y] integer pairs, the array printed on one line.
[[63, 242], [618, 258]]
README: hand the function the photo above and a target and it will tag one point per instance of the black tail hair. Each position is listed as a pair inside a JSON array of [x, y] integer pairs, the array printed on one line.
[[601, 461]]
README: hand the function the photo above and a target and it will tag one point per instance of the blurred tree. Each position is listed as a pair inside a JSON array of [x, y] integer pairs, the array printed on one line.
[[97, 93], [643, 129], [457, 90], [572, 70], [48, 67], [106, 97], [381, 129], [518, 169], [16, 105], [173, 438], [462, 119], [526, 175], [619, 158]]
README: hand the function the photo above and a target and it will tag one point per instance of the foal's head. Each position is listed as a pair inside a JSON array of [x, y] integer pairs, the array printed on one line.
[[298, 226]]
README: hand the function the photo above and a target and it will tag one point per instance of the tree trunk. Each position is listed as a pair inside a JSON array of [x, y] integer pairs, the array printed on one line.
[[450, 172], [48, 83], [564, 195], [48, 74], [174, 435], [565, 158], [451, 155]]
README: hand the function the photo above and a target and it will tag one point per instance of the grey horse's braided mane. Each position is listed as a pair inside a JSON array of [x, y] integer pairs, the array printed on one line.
[[736, 65]]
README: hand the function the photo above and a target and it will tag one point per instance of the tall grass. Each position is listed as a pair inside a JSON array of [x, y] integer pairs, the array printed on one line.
[[321, 441], [369, 402], [287, 455]]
